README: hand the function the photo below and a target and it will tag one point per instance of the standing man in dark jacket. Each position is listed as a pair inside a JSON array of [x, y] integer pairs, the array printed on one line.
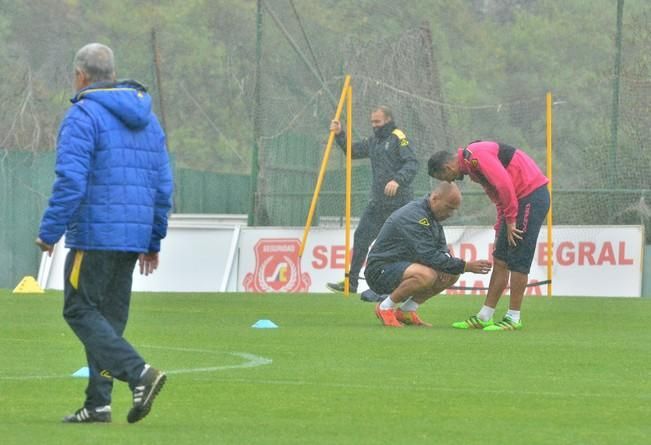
[[394, 166], [410, 261], [111, 197]]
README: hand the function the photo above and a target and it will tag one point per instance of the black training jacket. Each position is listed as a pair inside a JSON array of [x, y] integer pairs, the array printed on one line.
[[392, 158], [412, 234]]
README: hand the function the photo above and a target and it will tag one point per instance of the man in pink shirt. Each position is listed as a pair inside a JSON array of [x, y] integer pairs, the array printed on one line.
[[513, 181]]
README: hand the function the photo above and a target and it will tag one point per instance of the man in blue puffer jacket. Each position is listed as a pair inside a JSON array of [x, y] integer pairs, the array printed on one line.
[[111, 198]]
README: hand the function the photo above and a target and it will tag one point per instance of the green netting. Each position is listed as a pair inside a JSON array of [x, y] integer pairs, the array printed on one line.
[[25, 183], [431, 78]]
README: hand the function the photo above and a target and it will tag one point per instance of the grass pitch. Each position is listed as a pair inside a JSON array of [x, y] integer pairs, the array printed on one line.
[[578, 373]]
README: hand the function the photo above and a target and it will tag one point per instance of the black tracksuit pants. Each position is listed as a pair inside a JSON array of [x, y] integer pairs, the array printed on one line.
[[367, 230], [97, 293]]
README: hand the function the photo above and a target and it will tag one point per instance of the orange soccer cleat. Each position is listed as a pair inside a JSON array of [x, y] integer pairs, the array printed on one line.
[[387, 317], [411, 318]]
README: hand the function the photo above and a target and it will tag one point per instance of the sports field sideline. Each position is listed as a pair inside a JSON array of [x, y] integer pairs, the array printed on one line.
[[578, 373]]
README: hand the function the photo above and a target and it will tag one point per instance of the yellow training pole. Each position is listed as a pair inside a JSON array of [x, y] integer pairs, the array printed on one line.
[[324, 164], [349, 176], [550, 219]]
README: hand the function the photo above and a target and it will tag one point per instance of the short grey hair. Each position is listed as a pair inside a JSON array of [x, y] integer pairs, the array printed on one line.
[[96, 61], [385, 110]]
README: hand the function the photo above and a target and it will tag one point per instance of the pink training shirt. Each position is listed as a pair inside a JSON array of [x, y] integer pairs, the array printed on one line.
[[504, 186]]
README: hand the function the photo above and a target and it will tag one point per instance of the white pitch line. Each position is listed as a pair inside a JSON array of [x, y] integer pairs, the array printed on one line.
[[254, 361], [250, 361], [33, 377]]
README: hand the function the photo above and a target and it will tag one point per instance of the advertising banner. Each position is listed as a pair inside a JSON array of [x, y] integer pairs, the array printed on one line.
[[205, 256], [587, 260]]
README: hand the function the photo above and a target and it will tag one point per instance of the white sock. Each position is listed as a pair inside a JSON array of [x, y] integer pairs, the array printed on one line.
[[409, 306], [513, 315], [144, 370], [486, 313], [388, 304]]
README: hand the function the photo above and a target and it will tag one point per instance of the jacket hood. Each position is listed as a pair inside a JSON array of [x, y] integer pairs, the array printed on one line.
[[126, 99]]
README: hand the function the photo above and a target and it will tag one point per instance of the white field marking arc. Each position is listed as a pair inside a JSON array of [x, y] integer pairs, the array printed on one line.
[[253, 362], [250, 361]]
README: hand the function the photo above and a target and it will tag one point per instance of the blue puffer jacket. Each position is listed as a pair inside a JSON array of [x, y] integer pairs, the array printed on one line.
[[113, 183]]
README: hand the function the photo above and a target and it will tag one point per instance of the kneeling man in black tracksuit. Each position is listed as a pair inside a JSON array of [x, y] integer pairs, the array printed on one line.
[[410, 261]]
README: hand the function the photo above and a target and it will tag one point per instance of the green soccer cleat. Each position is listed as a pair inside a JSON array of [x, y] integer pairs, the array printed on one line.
[[505, 325], [472, 323]]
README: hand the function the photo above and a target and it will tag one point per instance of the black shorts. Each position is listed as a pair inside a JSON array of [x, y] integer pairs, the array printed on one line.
[[532, 210], [386, 278]]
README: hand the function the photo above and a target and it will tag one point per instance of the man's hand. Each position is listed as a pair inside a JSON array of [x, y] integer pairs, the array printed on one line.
[[44, 246], [479, 266], [335, 126], [513, 234], [391, 188], [148, 263]]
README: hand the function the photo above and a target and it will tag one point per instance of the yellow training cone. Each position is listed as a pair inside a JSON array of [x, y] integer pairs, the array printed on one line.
[[28, 285]]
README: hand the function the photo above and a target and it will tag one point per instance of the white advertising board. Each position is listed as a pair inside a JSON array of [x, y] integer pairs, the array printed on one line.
[[204, 255], [192, 258], [588, 260]]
